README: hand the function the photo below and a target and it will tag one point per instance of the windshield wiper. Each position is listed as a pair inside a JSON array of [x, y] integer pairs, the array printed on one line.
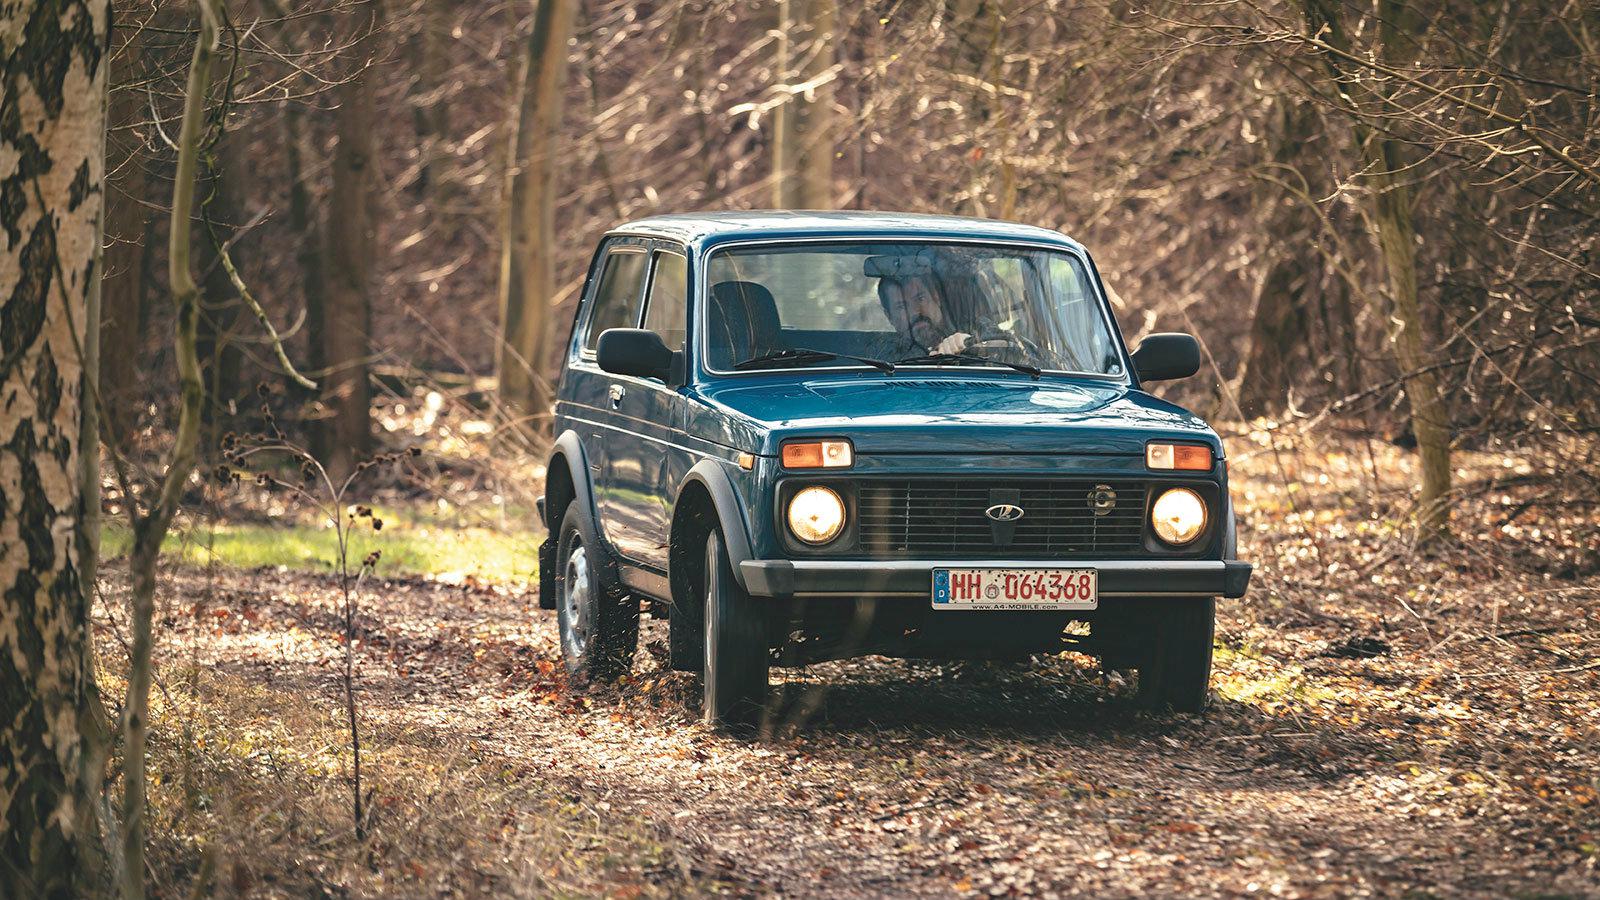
[[802, 355], [937, 359]]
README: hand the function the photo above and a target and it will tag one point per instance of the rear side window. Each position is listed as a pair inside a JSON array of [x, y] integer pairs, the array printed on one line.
[[616, 300], [664, 314]]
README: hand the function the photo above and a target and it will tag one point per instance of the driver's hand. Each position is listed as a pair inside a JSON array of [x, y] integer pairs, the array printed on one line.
[[955, 343]]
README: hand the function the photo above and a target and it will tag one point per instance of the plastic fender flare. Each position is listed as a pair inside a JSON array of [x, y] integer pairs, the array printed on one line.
[[571, 450], [713, 475]]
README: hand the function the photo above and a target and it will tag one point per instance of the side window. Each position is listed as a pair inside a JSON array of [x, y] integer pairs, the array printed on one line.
[[616, 300], [669, 294]]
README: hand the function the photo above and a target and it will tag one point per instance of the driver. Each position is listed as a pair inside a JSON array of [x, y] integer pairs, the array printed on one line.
[[915, 306]]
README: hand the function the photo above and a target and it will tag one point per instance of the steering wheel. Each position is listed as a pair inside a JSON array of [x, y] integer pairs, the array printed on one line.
[[1007, 340]]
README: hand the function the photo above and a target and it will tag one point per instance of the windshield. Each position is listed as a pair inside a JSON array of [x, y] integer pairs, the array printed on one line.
[[820, 305]]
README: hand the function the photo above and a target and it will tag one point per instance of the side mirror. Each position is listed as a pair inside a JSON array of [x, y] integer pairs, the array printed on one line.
[[1163, 357], [634, 351]]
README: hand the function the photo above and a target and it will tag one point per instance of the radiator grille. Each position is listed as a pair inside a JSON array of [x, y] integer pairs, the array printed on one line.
[[946, 517]]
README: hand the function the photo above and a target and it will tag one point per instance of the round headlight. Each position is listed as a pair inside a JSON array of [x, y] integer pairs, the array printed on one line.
[[1178, 516], [816, 514]]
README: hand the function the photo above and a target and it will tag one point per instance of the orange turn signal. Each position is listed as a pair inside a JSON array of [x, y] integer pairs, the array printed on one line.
[[1185, 457], [818, 455]]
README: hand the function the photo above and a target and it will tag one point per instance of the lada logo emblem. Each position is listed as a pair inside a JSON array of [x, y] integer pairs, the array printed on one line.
[[1004, 512]]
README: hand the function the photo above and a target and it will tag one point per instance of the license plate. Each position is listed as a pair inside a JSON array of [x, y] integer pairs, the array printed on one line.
[[1016, 588]]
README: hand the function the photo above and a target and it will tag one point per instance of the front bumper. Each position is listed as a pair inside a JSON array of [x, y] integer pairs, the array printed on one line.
[[784, 579]]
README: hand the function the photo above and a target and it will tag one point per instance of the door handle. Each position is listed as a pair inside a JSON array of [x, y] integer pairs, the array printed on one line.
[[617, 393]]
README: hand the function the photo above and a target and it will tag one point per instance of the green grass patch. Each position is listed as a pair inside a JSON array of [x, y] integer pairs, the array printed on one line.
[[1245, 675], [419, 546]]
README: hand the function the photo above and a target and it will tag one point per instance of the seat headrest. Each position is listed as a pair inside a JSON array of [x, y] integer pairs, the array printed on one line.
[[743, 322]]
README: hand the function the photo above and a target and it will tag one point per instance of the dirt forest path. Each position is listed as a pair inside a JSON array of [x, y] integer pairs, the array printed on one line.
[[1321, 770]]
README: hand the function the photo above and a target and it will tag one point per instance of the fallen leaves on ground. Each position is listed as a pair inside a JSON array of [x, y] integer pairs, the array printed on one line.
[[1386, 723]]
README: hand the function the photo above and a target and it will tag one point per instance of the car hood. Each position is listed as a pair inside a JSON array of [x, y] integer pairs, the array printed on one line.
[[913, 413]]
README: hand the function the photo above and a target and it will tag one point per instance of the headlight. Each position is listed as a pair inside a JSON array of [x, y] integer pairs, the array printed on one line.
[[816, 515], [1178, 516]]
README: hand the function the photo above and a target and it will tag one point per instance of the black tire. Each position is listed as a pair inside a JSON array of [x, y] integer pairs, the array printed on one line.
[[599, 621], [1175, 668], [686, 632], [736, 653]]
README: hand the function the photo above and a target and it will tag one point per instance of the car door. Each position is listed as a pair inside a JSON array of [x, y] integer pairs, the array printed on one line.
[[639, 469], [616, 301]]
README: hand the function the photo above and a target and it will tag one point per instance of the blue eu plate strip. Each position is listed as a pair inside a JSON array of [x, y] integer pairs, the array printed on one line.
[[941, 585]]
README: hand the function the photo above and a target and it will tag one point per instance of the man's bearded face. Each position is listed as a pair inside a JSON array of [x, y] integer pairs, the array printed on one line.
[[917, 312]]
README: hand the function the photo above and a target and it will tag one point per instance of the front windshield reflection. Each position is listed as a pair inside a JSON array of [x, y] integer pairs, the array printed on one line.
[[828, 305]]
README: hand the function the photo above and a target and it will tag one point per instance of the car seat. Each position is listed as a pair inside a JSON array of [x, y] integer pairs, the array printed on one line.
[[743, 323]]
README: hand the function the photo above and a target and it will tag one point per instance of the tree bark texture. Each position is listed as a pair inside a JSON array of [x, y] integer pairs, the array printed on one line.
[[803, 131], [527, 275], [52, 169], [348, 267]]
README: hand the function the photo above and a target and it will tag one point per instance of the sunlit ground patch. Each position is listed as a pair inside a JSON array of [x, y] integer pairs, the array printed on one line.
[[411, 543]]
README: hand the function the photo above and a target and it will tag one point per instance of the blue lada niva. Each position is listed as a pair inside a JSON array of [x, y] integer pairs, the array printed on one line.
[[810, 436]]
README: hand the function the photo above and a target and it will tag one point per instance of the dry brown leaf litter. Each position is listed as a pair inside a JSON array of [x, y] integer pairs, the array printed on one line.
[[1386, 724]]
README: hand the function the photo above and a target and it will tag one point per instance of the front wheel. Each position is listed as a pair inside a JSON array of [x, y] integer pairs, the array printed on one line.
[[736, 654], [1175, 668], [599, 622]]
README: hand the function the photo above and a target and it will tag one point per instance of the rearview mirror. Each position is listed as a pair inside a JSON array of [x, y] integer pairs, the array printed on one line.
[[1164, 357], [634, 351]]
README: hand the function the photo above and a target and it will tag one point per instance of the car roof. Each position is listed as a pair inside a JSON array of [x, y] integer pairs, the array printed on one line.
[[708, 228]]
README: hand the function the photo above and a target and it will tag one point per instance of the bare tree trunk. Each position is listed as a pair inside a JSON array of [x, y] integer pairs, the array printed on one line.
[[53, 746], [1398, 36], [122, 308], [226, 209], [308, 248], [150, 530], [349, 263], [1278, 328], [803, 127], [527, 275], [429, 110], [1397, 236], [1430, 418], [1276, 332]]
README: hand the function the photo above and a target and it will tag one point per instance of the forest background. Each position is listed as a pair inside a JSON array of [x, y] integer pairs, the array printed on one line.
[[1379, 217]]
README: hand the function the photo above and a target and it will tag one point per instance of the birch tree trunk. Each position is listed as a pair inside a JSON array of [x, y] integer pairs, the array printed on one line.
[[527, 275], [52, 168], [349, 255], [803, 128]]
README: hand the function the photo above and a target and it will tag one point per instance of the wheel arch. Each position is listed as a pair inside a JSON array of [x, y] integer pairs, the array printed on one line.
[[706, 499], [567, 479]]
